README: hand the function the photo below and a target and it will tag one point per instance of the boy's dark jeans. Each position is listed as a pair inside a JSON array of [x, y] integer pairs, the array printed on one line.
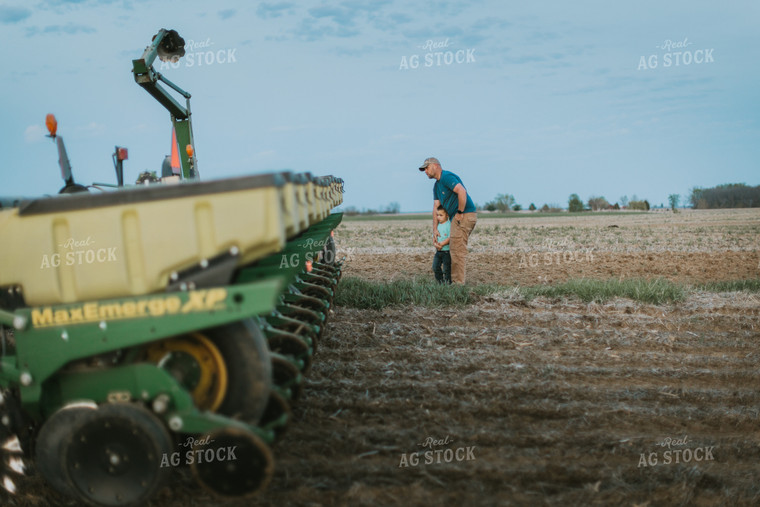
[[442, 266]]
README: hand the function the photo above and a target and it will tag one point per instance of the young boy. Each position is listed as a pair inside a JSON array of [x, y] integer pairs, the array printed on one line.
[[442, 259]]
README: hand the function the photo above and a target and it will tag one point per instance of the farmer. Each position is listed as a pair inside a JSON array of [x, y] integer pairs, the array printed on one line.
[[449, 192]]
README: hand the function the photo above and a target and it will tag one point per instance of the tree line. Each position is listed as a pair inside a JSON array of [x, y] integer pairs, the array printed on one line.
[[729, 195], [506, 202]]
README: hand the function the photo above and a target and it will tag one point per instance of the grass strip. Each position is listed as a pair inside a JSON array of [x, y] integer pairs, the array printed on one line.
[[748, 285], [656, 291]]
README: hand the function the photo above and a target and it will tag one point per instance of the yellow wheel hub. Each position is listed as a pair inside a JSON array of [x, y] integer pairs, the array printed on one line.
[[197, 364]]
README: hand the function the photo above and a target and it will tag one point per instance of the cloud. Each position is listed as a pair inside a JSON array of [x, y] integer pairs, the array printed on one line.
[[71, 29], [227, 13], [342, 20], [9, 14], [34, 134], [339, 15], [311, 31], [366, 49], [268, 10]]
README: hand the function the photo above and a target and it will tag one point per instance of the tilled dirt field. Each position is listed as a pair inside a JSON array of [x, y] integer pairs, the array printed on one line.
[[559, 403], [559, 266], [689, 247]]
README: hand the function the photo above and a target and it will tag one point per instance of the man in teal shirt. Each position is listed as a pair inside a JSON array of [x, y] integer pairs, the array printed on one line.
[[449, 192]]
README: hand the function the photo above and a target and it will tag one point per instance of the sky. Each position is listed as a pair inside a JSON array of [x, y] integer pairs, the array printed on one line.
[[535, 99]]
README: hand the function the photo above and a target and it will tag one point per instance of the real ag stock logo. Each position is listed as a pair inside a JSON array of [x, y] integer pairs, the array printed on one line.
[[210, 454], [436, 456], [199, 53], [679, 450], [677, 54], [78, 253], [438, 54]]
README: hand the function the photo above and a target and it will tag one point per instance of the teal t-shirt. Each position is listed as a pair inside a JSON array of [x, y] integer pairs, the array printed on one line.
[[443, 191], [444, 231]]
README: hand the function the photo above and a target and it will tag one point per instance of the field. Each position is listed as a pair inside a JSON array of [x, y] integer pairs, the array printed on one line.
[[690, 247], [531, 401], [557, 399]]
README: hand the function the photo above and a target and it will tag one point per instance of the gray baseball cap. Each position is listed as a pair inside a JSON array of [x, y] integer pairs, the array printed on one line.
[[428, 161]]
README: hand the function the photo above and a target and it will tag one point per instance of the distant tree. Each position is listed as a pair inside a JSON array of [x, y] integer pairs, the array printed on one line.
[[574, 203], [597, 203], [673, 199], [502, 202], [393, 207], [517, 207], [545, 208], [624, 201], [616, 206], [695, 198], [532, 207], [639, 205]]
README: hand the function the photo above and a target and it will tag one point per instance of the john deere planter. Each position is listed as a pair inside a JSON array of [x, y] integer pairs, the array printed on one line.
[[162, 325]]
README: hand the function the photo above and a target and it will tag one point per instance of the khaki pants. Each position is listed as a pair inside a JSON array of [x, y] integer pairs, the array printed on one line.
[[461, 227]]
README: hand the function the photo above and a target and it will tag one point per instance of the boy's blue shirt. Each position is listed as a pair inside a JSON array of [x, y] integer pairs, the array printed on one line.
[[444, 230], [443, 191]]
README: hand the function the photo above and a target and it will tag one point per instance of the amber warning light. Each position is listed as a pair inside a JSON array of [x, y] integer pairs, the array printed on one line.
[[121, 153], [52, 124]]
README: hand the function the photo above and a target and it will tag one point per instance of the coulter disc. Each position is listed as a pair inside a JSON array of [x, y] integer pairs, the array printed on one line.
[[236, 463]]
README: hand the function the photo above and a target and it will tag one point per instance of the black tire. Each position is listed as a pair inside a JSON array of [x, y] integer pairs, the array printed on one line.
[[249, 369], [48, 446], [113, 455]]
